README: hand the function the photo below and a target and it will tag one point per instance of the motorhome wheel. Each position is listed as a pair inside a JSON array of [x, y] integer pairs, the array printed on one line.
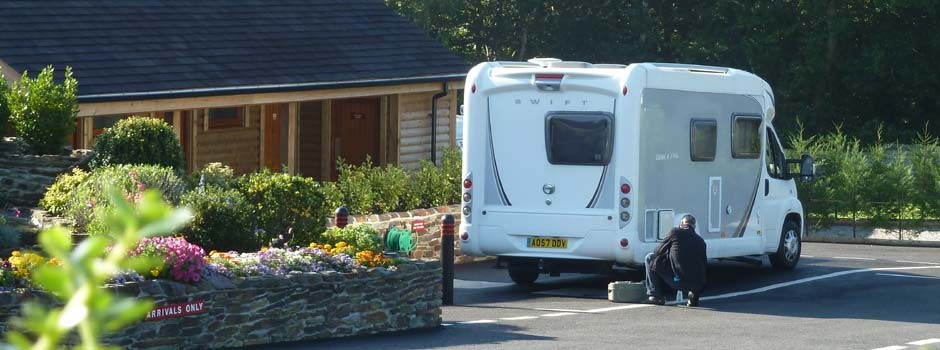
[[788, 252]]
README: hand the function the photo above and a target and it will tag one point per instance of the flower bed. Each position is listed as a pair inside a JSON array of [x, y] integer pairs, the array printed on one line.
[[223, 299], [225, 312]]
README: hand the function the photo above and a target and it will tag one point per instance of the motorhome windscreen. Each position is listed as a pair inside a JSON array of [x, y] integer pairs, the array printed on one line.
[[579, 138]]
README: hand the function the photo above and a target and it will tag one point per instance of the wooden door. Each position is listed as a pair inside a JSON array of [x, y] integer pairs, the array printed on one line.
[[355, 124], [273, 114]]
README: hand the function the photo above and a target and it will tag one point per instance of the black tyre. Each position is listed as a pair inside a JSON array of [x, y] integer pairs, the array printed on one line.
[[523, 276], [788, 251]]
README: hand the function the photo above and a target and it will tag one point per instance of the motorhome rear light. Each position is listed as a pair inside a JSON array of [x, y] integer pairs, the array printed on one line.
[[467, 197], [624, 242], [625, 188], [466, 210], [473, 88], [549, 76], [464, 236], [467, 184], [624, 216], [624, 202], [625, 90]]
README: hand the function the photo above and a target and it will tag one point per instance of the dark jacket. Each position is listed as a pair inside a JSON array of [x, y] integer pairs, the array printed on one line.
[[682, 254]]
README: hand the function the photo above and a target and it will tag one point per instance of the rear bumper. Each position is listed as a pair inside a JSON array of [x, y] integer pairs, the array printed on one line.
[[596, 244]]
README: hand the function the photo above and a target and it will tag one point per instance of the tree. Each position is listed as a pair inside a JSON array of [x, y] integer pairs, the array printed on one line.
[[43, 111]]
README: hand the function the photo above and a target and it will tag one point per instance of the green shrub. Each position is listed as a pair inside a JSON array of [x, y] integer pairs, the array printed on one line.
[[430, 185], [213, 174], [4, 105], [42, 111], [138, 140], [332, 196], [925, 166], [57, 196], [91, 195], [361, 236], [355, 188], [452, 171], [281, 202], [219, 220], [390, 186]]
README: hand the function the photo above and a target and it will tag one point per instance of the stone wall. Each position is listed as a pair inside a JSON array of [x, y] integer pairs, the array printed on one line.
[[24, 178], [264, 310], [429, 241]]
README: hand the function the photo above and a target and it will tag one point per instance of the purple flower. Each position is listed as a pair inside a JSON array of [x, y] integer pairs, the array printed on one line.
[[16, 212]]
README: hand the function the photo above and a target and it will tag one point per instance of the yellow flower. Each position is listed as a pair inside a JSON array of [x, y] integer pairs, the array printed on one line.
[[328, 247], [156, 270], [16, 253], [341, 245]]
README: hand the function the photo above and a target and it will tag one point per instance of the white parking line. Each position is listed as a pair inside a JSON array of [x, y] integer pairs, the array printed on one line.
[[520, 318], [557, 310], [557, 314], [614, 308], [477, 322], [924, 342], [852, 258], [807, 256], [909, 276], [917, 262], [811, 279], [892, 347]]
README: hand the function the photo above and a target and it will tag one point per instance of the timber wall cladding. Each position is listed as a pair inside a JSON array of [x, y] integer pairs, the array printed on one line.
[[415, 124], [237, 147], [309, 150]]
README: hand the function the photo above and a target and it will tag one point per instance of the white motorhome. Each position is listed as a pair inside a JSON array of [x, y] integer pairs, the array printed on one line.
[[579, 167]]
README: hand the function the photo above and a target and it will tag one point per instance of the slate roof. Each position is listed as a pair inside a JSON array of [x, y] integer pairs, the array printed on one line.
[[132, 49]]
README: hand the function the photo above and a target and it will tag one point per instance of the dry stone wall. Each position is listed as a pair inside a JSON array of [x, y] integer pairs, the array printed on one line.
[[218, 312], [24, 178]]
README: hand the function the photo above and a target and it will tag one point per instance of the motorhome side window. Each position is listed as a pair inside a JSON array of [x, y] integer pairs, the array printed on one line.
[[745, 137], [579, 138], [703, 140], [774, 157]]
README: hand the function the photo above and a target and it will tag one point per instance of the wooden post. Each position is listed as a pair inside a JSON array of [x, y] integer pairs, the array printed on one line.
[[261, 147], [326, 144], [383, 131], [178, 125], [292, 139], [193, 145], [453, 118], [88, 132]]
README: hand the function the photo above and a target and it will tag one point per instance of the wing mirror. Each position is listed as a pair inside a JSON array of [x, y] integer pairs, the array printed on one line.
[[807, 168]]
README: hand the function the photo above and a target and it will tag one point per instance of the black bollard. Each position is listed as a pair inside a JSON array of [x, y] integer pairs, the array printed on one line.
[[447, 258], [341, 217]]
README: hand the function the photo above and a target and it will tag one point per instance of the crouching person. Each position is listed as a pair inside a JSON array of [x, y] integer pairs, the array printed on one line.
[[678, 263]]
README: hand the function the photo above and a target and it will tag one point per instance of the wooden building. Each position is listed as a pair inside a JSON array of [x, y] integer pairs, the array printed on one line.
[[290, 84]]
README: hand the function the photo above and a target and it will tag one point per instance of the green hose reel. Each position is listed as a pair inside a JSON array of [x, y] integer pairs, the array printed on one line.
[[400, 240]]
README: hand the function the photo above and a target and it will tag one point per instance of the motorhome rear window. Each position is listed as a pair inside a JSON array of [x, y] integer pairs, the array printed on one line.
[[745, 137], [704, 137], [579, 138]]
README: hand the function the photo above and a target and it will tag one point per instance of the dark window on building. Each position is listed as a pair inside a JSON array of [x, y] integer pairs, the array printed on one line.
[[579, 138], [745, 137], [704, 138], [230, 117]]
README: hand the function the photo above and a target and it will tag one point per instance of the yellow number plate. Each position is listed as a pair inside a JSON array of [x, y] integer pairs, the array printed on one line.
[[548, 243]]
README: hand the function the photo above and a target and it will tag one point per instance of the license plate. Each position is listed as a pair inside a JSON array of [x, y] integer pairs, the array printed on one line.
[[548, 243]]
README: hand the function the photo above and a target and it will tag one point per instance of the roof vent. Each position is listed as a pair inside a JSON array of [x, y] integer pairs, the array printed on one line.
[[543, 61], [569, 64]]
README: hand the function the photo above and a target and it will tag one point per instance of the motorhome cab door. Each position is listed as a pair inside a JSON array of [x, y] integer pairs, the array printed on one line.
[[776, 188]]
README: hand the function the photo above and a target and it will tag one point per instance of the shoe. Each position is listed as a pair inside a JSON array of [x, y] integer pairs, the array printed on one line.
[[693, 299], [656, 300]]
